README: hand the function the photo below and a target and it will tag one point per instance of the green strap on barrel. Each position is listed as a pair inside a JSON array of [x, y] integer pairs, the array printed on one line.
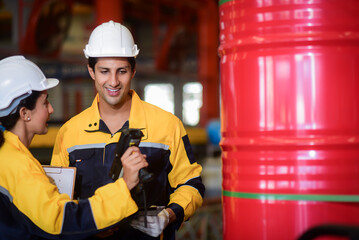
[[223, 1], [293, 197]]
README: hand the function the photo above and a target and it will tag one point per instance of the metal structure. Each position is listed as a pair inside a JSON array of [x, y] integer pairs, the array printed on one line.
[[290, 116]]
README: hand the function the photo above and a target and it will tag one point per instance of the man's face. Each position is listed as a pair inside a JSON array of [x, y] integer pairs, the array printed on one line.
[[112, 78]]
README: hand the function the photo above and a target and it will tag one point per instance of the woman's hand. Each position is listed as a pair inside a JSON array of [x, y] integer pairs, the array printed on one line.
[[132, 161]]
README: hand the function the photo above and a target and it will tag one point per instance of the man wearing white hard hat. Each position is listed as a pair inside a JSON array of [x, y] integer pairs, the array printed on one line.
[[30, 205], [88, 140]]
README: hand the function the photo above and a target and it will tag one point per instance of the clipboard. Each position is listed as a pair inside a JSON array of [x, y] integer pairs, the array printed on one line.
[[64, 178]]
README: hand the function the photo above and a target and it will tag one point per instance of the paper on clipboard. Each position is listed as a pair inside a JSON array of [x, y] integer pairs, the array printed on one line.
[[64, 178]]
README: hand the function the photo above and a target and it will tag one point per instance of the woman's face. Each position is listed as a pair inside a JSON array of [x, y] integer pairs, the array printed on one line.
[[41, 114]]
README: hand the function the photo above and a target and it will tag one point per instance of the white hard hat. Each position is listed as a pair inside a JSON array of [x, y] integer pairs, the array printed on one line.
[[111, 39], [18, 78]]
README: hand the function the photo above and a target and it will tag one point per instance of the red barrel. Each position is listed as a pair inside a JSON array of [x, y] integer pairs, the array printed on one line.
[[290, 116]]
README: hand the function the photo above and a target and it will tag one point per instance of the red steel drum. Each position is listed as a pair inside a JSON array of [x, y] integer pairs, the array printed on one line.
[[289, 117]]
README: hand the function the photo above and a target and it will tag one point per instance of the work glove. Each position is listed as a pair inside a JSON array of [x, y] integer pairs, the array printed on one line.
[[155, 224]]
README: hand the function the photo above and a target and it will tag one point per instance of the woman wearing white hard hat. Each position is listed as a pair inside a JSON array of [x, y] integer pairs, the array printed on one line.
[[31, 206]]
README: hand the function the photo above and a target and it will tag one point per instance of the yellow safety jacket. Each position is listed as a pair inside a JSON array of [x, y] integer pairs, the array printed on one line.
[[86, 143], [31, 206]]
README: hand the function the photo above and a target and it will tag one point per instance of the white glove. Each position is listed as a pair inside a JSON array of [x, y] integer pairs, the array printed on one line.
[[155, 224]]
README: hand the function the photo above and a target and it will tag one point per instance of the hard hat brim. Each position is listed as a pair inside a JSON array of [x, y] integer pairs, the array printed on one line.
[[98, 55], [52, 82], [12, 104]]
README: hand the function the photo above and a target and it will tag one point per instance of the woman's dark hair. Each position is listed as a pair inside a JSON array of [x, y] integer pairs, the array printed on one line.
[[9, 121], [93, 60]]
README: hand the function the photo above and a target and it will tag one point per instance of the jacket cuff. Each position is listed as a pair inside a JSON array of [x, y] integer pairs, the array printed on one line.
[[178, 210]]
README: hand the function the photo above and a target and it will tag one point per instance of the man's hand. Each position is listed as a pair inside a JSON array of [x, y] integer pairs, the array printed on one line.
[[132, 161], [155, 224]]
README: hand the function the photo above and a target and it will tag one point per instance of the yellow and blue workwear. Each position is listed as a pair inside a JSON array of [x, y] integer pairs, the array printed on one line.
[[31, 206], [86, 143]]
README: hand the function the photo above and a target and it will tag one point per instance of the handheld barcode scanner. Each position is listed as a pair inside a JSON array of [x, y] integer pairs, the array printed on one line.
[[131, 137]]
